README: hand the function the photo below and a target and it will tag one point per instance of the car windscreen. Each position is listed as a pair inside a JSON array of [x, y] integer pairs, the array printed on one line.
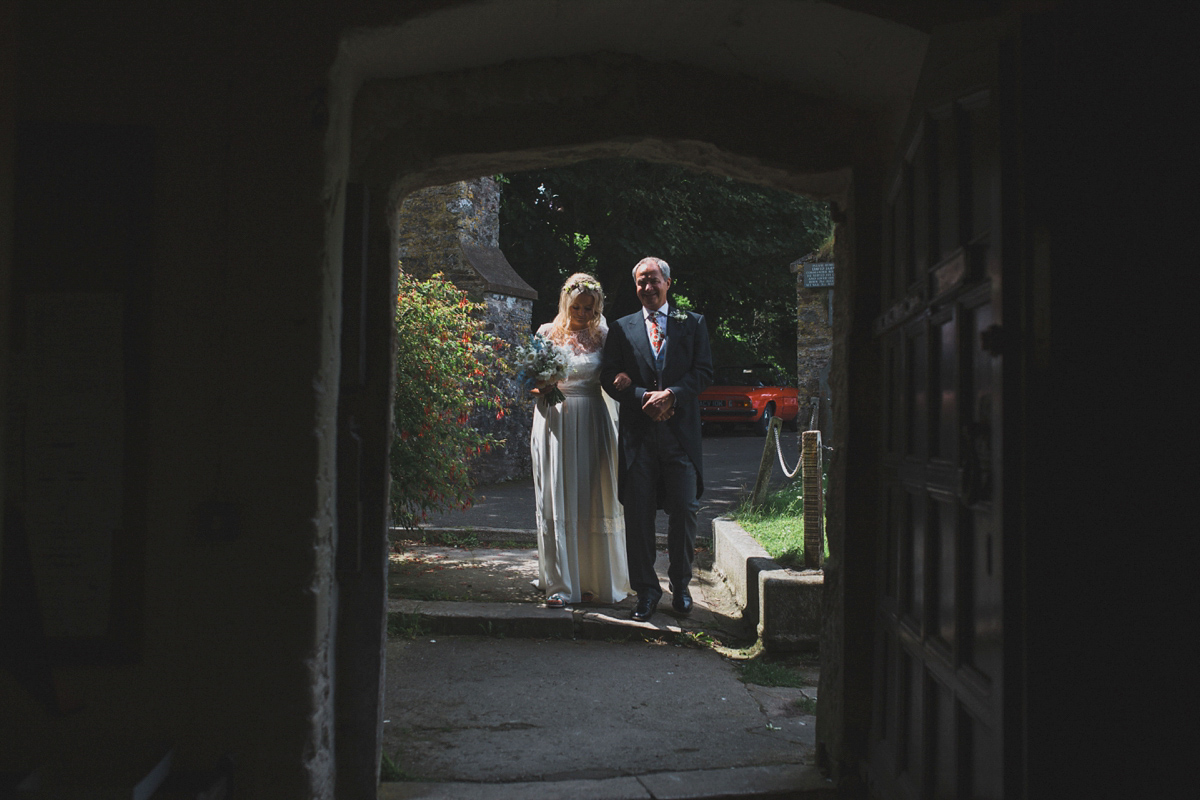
[[741, 376]]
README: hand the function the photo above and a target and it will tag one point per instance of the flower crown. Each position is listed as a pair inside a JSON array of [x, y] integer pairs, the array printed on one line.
[[583, 284]]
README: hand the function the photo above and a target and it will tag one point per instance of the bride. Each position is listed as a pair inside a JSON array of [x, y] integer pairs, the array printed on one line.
[[581, 528]]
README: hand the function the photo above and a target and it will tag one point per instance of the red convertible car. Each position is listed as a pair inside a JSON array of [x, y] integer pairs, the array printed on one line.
[[751, 394]]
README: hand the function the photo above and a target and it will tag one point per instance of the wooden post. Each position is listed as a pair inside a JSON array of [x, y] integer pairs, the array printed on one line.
[[766, 463], [814, 501]]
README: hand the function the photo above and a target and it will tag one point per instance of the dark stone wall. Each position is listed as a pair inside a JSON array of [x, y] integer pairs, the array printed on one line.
[[814, 351]]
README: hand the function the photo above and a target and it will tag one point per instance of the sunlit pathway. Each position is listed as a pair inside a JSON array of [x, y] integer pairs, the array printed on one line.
[[470, 708]]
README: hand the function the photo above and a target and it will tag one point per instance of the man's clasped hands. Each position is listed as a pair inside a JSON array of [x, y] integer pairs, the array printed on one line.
[[658, 405]]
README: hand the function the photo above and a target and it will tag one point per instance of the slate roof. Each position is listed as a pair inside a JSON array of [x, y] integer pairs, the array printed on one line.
[[497, 274]]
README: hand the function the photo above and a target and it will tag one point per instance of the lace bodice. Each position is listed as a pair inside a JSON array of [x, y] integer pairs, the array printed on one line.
[[578, 341], [583, 368]]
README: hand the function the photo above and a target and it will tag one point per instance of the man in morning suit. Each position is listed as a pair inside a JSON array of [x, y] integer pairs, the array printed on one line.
[[655, 364]]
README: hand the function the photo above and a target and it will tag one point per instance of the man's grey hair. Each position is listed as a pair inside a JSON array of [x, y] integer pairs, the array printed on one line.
[[663, 266]]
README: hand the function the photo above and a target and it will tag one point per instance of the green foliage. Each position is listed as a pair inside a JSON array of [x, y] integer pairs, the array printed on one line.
[[729, 244], [445, 369]]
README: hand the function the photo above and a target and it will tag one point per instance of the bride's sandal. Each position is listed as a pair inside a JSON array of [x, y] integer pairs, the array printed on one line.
[[587, 597], [556, 600]]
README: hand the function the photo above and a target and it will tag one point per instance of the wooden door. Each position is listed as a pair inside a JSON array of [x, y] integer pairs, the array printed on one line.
[[938, 723], [364, 439]]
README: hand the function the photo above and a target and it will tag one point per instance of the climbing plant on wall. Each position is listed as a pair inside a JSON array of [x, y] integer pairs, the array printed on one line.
[[446, 365]]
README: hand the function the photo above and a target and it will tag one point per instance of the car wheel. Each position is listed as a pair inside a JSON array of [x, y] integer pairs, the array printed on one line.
[[764, 422]]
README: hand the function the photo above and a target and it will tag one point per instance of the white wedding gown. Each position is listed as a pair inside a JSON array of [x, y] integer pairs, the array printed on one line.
[[581, 527]]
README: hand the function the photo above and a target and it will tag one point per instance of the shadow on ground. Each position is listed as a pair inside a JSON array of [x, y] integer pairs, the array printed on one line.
[[491, 695], [558, 697]]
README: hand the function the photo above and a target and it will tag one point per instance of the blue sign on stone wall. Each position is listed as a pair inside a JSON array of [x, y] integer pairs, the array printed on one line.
[[818, 275]]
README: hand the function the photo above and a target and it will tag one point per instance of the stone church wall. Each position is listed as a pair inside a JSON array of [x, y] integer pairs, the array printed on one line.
[[814, 349], [455, 229], [508, 318], [436, 222]]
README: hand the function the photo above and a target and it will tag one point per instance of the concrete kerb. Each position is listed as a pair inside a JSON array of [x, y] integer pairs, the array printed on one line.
[[786, 603]]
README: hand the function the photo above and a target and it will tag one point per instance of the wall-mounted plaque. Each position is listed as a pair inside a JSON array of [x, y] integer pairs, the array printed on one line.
[[818, 275]]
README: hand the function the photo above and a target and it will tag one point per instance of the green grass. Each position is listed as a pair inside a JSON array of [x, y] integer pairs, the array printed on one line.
[[695, 639], [806, 704], [778, 525], [405, 626], [768, 673], [390, 772]]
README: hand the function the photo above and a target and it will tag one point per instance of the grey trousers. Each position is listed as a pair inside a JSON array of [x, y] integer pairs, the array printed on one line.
[[661, 470]]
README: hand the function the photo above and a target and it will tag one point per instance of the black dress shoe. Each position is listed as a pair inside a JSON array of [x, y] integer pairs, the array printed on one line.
[[646, 605], [681, 600]]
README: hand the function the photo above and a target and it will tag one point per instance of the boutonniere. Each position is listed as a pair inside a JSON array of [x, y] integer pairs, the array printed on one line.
[[680, 316]]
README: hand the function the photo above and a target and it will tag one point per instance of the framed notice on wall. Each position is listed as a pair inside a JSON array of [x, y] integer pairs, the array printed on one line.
[[66, 529]]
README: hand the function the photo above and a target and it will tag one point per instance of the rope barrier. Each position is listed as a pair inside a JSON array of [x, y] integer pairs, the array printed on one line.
[[790, 473], [812, 426]]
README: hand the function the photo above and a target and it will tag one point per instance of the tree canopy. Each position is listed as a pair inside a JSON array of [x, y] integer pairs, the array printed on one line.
[[728, 243]]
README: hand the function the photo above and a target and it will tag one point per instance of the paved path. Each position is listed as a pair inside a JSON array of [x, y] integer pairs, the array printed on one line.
[[616, 716], [492, 696], [730, 467], [585, 703]]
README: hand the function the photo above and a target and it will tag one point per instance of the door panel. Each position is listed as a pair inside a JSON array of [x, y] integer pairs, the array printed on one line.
[[938, 716], [364, 437], [946, 383], [917, 352]]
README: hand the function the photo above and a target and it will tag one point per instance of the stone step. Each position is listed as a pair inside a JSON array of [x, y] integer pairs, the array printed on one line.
[[774, 782], [528, 620]]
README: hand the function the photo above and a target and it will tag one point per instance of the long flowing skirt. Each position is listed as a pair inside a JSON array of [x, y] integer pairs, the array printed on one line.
[[581, 528]]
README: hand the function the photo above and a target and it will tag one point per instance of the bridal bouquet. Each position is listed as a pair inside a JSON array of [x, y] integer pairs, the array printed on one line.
[[542, 365]]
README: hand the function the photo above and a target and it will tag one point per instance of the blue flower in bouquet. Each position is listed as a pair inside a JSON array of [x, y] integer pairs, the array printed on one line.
[[542, 364]]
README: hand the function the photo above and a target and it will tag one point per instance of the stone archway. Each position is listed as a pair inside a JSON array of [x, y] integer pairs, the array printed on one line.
[[245, 106], [402, 124]]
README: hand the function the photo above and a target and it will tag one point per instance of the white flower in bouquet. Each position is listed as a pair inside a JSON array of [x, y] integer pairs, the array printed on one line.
[[542, 364]]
